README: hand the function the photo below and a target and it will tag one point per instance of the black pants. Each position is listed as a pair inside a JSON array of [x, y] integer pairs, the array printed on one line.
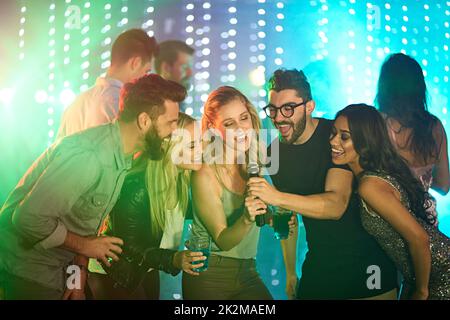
[[102, 287]]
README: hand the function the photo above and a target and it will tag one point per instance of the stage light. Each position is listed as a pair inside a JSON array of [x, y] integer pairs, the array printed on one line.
[[189, 111], [66, 97], [257, 77], [7, 96]]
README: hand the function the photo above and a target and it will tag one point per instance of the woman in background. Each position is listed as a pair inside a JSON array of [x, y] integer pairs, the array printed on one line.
[[418, 136], [392, 203]]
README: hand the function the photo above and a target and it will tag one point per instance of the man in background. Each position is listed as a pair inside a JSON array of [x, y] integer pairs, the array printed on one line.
[[174, 62], [131, 57]]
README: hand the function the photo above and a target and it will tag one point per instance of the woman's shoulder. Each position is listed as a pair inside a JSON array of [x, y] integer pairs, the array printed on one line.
[[206, 177], [376, 181]]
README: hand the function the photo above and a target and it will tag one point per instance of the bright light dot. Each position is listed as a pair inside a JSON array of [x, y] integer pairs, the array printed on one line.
[[232, 55], [190, 17], [233, 21], [231, 44], [189, 41], [206, 5], [387, 6], [262, 114], [261, 34], [261, 12], [232, 32], [261, 23], [204, 97], [231, 67], [279, 50], [280, 16], [205, 41], [6, 95], [279, 28], [206, 51], [189, 111], [380, 53], [257, 77], [190, 6], [278, 61], [232, 9], [205, 63], [67, 96], [207, 17], [352, 11]]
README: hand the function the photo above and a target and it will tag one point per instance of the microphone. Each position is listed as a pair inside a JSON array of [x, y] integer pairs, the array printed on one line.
[[253, 171]]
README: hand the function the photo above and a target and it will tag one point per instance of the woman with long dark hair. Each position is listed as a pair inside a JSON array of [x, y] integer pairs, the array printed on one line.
[[418, 136], [392, 202]]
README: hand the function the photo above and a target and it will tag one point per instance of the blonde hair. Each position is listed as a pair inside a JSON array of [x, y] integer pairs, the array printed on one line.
[[167, 186], [221, 97]]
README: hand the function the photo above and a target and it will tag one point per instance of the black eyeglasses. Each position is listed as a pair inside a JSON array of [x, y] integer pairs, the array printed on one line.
[[287, 110]]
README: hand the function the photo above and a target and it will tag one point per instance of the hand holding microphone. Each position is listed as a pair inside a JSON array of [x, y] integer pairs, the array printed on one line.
[[255, 206]]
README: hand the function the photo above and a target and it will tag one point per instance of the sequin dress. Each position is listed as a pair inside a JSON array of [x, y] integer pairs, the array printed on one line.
[[397, 249]]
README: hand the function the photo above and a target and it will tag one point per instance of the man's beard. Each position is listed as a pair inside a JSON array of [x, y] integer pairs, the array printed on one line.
[[153, 144], [299, 128]]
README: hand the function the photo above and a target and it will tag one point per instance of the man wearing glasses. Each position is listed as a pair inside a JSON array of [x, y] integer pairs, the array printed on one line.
[[340, 252]]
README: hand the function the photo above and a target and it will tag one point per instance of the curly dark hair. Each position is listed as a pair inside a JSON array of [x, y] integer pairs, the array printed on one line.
[[148, 94], [283, 79], [402, 95], [371, 141]]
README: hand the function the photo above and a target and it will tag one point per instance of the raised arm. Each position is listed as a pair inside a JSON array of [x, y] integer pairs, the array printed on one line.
[[206, 192], [384, 200], [328, 205]]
